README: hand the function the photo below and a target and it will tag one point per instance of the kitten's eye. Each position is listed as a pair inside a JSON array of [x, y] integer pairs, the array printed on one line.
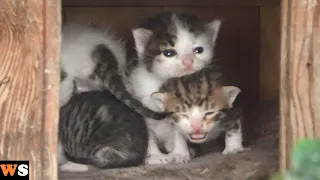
[[198, 50], [209, 113], [169, 53], [184, 115]]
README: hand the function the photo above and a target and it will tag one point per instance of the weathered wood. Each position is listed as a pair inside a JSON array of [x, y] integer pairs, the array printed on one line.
[[180, 3], [300, 74], [29, 51], [269, 70]]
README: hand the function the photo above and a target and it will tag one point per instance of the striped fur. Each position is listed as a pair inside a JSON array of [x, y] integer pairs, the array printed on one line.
[[201, 100], [97, 129]]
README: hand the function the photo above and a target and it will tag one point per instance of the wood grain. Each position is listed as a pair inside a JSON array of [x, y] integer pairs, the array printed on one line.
[[29, 40], [269, 70], [300, 74], [179, 3]]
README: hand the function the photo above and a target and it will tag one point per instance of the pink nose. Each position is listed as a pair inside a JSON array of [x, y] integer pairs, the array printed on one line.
[[187, 63], [196, 127]]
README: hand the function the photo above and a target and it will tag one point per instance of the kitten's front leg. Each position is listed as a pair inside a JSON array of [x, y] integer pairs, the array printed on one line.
[[154, 155], [233, 140], [180, 152]]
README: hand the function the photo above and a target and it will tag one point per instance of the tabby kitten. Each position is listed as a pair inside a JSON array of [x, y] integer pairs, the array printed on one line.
[[95, 60], [97, 129], [201, 107], [169, 45]]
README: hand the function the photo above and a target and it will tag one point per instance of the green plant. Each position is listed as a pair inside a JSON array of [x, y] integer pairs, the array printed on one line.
[[305, 162]]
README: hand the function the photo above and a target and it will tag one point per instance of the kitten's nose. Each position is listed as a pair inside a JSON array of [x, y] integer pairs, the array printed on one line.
[[187, 63], [196, 127]]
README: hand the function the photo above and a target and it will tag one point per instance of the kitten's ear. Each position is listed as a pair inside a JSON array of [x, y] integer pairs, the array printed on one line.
[[160, 98], [214, 28], [231, 93], [141, 38]]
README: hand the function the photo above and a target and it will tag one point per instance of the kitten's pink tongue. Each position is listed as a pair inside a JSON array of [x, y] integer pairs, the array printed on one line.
[[198, 136]]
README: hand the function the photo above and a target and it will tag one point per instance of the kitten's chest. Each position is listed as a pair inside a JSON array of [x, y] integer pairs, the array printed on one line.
[[144, 84]]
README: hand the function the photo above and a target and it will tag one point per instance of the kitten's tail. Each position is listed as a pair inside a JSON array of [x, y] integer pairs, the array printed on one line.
[[107, 71], [119, 91]]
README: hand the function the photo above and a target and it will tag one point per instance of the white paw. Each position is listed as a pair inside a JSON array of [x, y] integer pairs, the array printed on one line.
[[74, 167], [159, 159], [178, 158], [234, 150]]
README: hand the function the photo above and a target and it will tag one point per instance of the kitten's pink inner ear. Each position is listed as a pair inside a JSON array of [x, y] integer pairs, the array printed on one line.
[[141, 37], [214, 27], [231, 93], [159, 96]]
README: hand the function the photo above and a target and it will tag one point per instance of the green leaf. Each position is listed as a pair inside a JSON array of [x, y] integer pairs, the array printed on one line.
[[306, 155]]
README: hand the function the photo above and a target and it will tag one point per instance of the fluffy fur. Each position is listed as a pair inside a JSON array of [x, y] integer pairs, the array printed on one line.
[[95, 59], [169, 45], [201, 107], [97, 129]]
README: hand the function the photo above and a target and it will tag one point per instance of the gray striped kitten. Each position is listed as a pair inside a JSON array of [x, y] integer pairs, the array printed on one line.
[[95, 60], [97, 129]]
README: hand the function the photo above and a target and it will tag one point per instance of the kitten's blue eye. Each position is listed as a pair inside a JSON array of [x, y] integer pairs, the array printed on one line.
[[209, 113], [169, 53], [198, 50]]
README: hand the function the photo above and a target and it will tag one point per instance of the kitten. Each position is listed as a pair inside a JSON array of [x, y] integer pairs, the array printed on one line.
[[97, 129], [168, 45], [201, 107], [95, 60]]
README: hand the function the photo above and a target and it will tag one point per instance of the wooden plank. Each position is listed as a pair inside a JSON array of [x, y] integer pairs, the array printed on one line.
[[269, 53], [300, 74], [29, 49], [119, 19], [203, 3]]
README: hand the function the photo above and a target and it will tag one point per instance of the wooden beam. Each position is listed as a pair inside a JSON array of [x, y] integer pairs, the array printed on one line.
[[180, 3], [29, 82], [300, 74]]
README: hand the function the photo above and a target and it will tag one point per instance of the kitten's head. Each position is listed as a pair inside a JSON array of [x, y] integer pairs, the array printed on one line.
[[174, 45], [197, 114]]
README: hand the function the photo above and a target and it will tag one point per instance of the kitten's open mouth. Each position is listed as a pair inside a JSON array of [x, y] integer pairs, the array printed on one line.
[[198, 137]]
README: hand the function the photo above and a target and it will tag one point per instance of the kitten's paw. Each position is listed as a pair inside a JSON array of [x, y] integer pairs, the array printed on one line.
[[159, 159], [178, 158], [74, 167], [234, 150]]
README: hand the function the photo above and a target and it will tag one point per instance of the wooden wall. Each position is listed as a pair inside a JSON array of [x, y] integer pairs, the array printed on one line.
[[29, 84]]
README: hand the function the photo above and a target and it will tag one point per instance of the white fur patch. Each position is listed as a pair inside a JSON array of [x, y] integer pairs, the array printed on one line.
[[74, 167], [233, 141], [78, 42]]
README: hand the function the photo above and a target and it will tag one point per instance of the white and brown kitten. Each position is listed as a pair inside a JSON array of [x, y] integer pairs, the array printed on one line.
[[169, 45], [201, 107]]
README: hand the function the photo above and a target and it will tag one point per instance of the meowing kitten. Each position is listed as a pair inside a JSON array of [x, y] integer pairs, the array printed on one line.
[[169, 45], [97, 129], [201, 107], [95, 60]]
